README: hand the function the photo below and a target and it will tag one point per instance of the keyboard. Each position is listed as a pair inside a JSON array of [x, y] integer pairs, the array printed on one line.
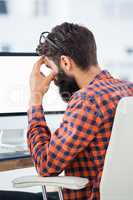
[[13, 153]]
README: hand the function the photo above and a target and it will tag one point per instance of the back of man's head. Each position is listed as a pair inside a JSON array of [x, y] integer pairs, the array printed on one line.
[[72, 40]]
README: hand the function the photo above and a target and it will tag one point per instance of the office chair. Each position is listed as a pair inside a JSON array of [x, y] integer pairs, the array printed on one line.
[[117, 178], [68, 182]]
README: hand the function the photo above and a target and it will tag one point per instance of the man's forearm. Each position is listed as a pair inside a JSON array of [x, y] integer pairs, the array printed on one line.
[[38, 136]]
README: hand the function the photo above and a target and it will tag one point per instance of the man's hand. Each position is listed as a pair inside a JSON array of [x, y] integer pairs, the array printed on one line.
[[39, 83]]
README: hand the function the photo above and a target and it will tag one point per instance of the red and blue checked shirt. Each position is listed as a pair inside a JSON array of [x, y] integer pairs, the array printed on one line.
[[79, 145]]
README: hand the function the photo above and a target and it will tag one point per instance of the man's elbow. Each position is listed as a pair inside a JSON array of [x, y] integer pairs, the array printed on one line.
[[47, 171]]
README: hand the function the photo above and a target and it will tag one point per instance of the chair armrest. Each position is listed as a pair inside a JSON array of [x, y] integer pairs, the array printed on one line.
[[68, 182]]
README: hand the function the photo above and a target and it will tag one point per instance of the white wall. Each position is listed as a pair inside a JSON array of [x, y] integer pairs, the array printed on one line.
[[111, 22], [113, 32]]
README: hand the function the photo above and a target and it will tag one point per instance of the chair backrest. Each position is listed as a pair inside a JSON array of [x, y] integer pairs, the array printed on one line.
[[117, 178]]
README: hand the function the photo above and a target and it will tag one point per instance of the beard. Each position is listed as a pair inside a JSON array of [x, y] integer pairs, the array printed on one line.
[[67, 85]]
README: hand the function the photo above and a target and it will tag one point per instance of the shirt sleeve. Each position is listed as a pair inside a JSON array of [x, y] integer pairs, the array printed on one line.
[[53, 152]]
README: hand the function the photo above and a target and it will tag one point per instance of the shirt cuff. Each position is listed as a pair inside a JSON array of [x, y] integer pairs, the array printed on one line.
[[35, 112]]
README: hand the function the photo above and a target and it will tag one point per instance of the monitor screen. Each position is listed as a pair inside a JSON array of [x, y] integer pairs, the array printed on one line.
[[14, 86]]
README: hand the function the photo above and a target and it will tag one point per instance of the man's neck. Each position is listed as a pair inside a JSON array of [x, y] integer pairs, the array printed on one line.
[[83, 78]]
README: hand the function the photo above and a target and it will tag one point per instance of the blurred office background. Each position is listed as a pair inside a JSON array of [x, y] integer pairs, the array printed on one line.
[[21, 23]]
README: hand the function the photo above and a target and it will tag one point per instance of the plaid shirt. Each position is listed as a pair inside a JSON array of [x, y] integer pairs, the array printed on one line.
[[79, 145]]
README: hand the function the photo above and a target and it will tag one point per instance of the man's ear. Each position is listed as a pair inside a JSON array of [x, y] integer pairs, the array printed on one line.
[[65, 63]]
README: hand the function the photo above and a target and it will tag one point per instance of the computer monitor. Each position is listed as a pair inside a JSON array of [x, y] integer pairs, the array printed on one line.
[[14, 85], [13, 130]]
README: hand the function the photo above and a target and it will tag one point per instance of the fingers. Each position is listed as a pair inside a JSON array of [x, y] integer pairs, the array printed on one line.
[[45, 60], [52, 65], [49, 78], [37, 65], [42, 74]]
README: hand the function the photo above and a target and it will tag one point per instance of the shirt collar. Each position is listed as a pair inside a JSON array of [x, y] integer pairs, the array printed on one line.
[[104, 74]]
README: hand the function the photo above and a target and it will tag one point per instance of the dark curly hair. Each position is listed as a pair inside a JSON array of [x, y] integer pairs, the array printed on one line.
[[72, 40]]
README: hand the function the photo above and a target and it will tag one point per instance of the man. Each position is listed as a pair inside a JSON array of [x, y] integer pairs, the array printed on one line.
[[79, 145]]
